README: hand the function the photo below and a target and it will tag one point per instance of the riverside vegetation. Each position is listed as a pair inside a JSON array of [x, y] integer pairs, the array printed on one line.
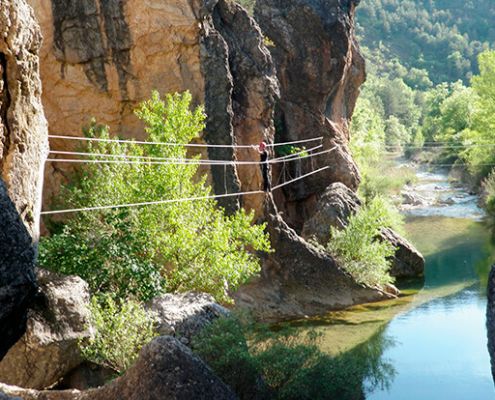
[[450, 125], [434, 111]]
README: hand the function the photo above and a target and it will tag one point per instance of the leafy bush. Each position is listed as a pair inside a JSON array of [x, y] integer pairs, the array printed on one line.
[[358, 247], [383, 180], [144, 251], [287, 150], [120, 330], [259, 363], [247, 4]]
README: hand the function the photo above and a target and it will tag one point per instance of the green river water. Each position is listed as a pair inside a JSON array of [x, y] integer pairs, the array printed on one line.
[[430, 343]]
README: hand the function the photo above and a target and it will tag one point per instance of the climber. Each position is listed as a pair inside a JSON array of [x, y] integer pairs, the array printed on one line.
[[265, 167]]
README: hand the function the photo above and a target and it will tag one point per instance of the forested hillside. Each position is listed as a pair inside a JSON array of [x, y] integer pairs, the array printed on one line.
[[443, 37], [429, 89]]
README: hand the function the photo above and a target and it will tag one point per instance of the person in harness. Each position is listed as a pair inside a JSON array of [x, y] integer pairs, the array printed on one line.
[[265, 167]]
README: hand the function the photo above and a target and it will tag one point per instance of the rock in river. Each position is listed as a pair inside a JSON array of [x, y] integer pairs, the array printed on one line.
[[335, 207]]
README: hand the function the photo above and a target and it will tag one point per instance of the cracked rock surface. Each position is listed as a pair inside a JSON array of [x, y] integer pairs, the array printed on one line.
[[23, 149]]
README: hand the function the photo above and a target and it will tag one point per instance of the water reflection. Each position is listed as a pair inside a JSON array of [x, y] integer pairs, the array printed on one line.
[[431, 343], [442, 351], [364, 369]]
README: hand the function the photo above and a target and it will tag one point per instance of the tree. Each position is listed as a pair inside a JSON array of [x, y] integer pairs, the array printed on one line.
[[480, 156], [143, 251]]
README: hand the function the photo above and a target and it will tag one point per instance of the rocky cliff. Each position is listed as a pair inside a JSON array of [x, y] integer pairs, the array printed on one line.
[[320, 70], [298, 79], [23, 148], [300, 279], [101, 58]]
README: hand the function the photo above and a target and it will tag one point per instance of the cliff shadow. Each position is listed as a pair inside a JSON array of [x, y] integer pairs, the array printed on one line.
[[17, 278], [490, 319]]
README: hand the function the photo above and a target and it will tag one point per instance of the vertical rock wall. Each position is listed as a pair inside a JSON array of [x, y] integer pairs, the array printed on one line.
[[241, 91], [320, 71], [23, 149], [102, 58]]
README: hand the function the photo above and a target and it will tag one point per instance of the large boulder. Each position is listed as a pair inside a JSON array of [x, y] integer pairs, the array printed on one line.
[[49, 348], [300, 279], [334, 208], [185, 315], [320, 70], [407, 262], [23, 148], [165, 369]]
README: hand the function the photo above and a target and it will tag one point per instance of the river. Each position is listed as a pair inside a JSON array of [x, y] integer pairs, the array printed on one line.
[[430, 343]]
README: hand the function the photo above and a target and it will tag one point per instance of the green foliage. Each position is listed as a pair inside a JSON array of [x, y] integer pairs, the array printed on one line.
[[358, 248], [396, 134], [259, 363], [434, 40], [462, 119], [384, 179], [371, 136], [144, 251], [480, 134], [367, 132], [247, 4], [119, 331], [287, 150]]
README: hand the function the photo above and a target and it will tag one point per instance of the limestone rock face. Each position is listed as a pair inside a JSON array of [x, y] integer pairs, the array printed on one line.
[[240, 96], [49, 348], [102, 58], [23, 148], [185, 315], [337, 203], [165, 369], [320, 70], [300, 280]]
